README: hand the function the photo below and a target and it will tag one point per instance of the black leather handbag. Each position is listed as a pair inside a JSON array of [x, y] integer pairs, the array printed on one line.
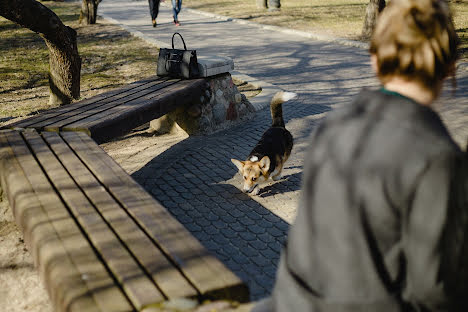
[[178, 63]]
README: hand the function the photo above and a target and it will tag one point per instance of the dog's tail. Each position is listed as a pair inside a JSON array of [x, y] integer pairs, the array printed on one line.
[[276, 107]]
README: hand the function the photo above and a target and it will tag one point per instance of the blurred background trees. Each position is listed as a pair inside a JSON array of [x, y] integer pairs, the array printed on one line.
[[372, 12], [88, 13]]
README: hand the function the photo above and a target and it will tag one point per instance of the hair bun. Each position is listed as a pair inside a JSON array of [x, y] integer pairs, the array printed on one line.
[[423, 19], [415, 39]]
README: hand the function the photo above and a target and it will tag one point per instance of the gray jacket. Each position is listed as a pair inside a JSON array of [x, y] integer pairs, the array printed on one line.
[[382, 216]]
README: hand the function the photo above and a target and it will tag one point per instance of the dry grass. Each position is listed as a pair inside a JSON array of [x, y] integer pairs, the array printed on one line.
[[342, 18], [111, 57], [339, 18]]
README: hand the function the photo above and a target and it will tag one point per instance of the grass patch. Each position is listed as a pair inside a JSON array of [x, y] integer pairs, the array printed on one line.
[[339, 18], [343, 18], [111, 57]]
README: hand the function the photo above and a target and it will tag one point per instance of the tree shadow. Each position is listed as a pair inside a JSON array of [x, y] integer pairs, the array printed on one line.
[[196, 182]]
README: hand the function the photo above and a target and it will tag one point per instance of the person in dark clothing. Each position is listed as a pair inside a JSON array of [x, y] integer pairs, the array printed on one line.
[[383, 217], [154, 10]]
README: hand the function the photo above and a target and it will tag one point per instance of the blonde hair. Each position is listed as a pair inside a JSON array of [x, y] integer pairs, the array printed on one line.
[[416, 40]]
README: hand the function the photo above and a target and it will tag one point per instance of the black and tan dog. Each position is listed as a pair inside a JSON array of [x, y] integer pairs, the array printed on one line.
[[271, 152]]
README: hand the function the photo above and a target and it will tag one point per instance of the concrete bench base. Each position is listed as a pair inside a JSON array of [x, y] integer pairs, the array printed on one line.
[[221, 106]]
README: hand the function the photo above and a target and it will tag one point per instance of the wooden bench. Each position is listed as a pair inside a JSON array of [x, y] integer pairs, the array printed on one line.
[[99, 240], [115, 113]]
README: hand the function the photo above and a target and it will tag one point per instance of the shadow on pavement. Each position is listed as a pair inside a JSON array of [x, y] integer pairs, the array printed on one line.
[[196, 181]]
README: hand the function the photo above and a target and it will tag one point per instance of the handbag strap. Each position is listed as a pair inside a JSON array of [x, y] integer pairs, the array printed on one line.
[[176, 33]]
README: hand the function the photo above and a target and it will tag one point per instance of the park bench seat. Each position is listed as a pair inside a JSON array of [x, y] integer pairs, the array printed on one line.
[[115, 113], [99, 240]]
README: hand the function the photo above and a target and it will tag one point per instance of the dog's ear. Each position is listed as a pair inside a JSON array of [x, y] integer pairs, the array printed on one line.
[[265, 164], [239, 164]]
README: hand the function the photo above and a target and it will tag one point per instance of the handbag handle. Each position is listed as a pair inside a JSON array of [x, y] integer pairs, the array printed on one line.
[[176, 33]]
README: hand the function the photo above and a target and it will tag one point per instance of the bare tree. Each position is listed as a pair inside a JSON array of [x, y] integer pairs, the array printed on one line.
[[88, 13], [373, 9], [64, 60]]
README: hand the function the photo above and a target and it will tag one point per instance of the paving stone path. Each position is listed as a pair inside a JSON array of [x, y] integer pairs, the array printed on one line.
[[195, 179]]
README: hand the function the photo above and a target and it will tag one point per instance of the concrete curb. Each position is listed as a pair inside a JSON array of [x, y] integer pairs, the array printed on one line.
[[136, 33], [259, 102]]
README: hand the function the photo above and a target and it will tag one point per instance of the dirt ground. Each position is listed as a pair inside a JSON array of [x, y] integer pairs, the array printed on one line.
[[21, 288]]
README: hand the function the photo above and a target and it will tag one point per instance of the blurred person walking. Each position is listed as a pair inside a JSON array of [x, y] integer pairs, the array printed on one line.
[[154, 11], [176, 7], [382, 222]]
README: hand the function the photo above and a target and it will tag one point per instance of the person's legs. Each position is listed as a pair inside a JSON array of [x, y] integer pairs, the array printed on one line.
[[179, 6], [154, 10], [176, 7]]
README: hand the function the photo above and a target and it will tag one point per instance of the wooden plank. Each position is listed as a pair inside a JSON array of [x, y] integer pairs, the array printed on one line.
[[21, 199], [206, 273], [95, 99], [55, 123], [120, 120], [182, 91], [138, 287], [75, 278], [172, 283]]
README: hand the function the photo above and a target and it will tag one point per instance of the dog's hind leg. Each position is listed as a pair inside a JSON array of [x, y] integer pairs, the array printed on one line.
[[276, 174]]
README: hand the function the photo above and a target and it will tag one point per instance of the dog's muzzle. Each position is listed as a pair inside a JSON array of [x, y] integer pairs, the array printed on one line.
[[251, 189]]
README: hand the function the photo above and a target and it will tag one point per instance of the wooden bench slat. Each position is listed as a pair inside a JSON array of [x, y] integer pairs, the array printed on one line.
[[39, 231], [138, 287], [56, 123], [123, 118], [164, 102], [172, 283], [76, 280], [208, 274], [169, 86], [95, 99]]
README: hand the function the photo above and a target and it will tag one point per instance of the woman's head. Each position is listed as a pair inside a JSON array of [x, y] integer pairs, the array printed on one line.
[[415, 40]]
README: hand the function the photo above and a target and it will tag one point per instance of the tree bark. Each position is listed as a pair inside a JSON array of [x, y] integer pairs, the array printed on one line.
[[373, 9], [64, 60], [88, 13]]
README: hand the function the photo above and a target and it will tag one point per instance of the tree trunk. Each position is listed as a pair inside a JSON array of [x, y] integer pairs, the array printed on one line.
[[373, 9], [88, 13], [64, 60]]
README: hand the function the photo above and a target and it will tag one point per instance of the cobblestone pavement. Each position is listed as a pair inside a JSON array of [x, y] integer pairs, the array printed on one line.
[[194, 178], [196, 181]]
